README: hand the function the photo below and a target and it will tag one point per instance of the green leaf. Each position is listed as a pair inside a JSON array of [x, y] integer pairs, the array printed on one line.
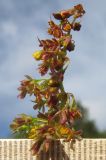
[[28, 77]]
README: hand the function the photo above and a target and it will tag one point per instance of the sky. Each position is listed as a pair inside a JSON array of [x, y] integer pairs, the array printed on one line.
[[21, 22]]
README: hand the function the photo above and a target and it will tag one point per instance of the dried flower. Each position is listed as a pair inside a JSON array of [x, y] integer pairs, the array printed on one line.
[[63, 14], [43, 68], [77, 12], [66, 27], [55, 30], [26, 87], [49, 45]]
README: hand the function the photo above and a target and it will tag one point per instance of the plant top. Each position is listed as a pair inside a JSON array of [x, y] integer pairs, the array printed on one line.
[[56, 108]]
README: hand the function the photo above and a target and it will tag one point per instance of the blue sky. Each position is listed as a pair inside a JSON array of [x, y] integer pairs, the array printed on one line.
[[20, 23]]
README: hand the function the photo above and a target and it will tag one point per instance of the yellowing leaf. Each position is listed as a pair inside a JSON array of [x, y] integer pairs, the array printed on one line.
[[33, 132], [37, 55], [64, 130]]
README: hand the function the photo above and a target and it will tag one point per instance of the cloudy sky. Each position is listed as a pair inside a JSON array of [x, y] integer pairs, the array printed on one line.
[[21, 21]]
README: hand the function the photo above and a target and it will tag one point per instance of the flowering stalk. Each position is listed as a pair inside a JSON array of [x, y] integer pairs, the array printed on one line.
[[57, 109]]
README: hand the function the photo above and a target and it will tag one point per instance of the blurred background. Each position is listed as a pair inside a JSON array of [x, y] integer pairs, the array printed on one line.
[[21, 22]]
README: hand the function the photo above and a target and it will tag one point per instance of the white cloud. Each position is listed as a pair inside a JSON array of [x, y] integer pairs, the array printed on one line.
[[8, 28]]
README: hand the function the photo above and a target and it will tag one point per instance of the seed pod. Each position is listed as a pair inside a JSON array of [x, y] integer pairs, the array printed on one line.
[[70, 46], [53, 89], [76, 26], [53, 83]]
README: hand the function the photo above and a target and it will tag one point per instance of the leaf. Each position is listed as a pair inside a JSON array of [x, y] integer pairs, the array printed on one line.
[[37, 55], [28, 77], [39, 120], [67, 61], [63, 117], [47, 145], [64, 130], [41, 115], [72, 104], [36, 146], [41, 83], [44, 84]]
